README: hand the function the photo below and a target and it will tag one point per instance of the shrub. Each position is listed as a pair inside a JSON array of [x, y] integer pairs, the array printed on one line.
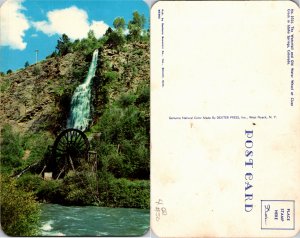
[[50, 191], [11, 148], [126, 100], [38, 144], [125, 193], [79, 73], [29, 182], [19, 210], [111, 75], [124, 141], [87, 45], [5, 84], [79, 188], [116, 39], [144, 96], [36, 70]]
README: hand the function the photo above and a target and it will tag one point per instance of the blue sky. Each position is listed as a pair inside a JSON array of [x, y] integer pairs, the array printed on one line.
[[29, 25]]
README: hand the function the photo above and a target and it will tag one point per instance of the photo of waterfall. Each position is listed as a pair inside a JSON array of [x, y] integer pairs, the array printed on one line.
[[81, 100], [75, 118]]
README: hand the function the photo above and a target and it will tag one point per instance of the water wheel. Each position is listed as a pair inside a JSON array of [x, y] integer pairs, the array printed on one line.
[[69, 150]]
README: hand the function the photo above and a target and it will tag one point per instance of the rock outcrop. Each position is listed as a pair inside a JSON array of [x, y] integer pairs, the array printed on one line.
[[38, 97], [31, 97]]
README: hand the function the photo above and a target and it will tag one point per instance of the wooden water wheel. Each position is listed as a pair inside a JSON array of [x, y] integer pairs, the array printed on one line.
[[70, 148]]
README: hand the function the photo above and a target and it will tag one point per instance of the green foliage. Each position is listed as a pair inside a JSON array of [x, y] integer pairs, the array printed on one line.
[[37, 70], [127, 99], [125, 138], [58, 91], [64, 90], [126, 193], [119, 24], [5, 84], [53, 54], [111, 75], [19, 210], [91, 36], [80, 187], [76, 188], [50, 191], [143, 96], [121, 113], [116, 39], [26, 64], [9, 71], [108, 31], [136, 25], [11, 148], [138, 19], [63, 45], [2, 73], [123, 192], [145, 35], [124, 123], [44, 190], [87, 45], [29, 182], [37, 143], [78, 73]]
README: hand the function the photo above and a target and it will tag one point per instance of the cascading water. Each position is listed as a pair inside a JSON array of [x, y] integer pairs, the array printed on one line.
[[80, 104]]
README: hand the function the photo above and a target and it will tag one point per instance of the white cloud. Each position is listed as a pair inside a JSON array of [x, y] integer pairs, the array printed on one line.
[[99, 28], [71, 21], [13, 25]]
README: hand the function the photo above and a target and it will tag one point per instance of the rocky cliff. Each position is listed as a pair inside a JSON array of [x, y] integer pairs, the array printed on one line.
[[31, 98], [38, 97]]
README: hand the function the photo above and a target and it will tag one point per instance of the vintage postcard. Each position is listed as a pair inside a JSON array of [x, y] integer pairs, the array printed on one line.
[[225, 113], [75, 118]]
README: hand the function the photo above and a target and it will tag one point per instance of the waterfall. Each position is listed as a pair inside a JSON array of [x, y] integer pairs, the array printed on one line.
[[80, 104]]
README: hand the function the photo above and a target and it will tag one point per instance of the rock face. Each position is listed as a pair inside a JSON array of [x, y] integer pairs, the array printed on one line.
[[32, 99], [38, 97], [126, 68]]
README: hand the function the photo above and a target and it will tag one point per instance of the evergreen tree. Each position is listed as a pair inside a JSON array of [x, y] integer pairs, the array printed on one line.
[[63, 45], [136, 25], [119, 24], [116, 38], [108, 31]]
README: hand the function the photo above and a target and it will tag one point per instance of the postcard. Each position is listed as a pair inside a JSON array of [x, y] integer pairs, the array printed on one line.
[[75, 118], [225, 113]]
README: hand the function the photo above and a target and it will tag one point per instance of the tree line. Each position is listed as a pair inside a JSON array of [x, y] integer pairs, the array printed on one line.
[[115, 37]]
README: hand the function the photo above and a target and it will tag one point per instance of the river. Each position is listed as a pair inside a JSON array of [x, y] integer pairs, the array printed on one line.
[[57, 220]]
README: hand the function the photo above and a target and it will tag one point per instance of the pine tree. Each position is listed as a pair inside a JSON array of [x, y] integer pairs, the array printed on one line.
[[63, 45]]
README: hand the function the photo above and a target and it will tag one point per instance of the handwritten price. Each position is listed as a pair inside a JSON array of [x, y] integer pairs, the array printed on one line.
[[160, 210]]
